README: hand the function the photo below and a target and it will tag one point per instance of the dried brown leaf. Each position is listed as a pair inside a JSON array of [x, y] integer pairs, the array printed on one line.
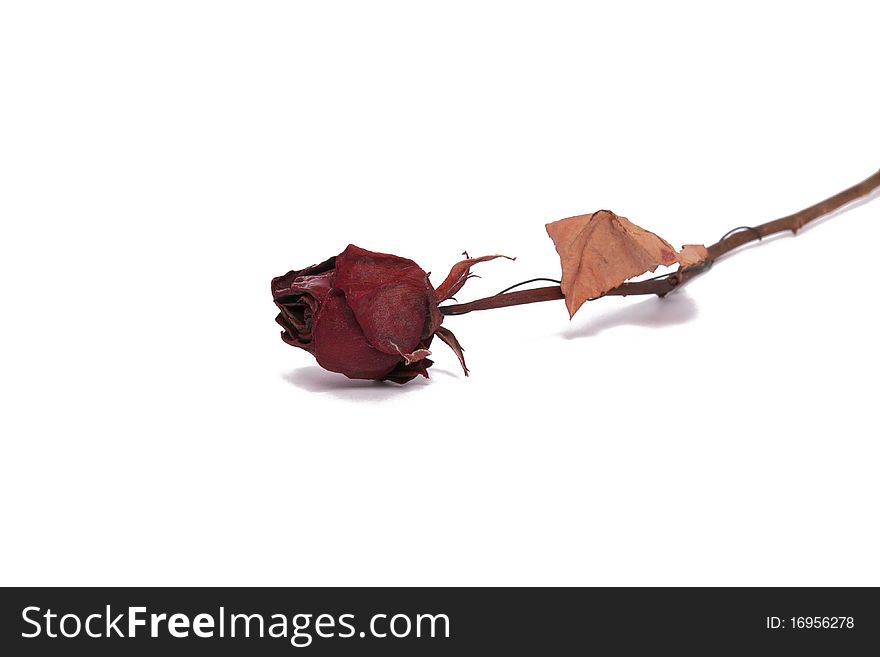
[[600, 251], [692, 254]]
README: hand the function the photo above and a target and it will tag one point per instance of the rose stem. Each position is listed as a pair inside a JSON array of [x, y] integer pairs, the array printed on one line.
[[663, 285]]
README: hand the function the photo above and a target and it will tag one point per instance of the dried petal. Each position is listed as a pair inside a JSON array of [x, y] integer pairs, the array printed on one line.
[[390, 297], [341, 346]]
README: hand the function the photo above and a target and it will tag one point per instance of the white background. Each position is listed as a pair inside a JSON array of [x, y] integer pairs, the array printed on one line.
[[161, 161]]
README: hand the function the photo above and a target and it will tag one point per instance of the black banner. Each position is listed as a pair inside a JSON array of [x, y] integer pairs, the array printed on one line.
[[444, 621]]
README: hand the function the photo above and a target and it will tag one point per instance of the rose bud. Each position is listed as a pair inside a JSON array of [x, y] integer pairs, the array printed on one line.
[[367, 315]]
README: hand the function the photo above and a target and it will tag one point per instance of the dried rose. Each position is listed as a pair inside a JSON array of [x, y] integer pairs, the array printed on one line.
[[363, 314], [368, 315]]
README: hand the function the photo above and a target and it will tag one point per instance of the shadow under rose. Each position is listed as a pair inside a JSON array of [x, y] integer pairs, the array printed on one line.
[[314, 379], [677, 308]]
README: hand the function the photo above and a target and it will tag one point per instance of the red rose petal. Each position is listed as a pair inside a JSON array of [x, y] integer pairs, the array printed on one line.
[[390, 297], [340, 345], [359, 270], [297, 283], [392, 317]]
